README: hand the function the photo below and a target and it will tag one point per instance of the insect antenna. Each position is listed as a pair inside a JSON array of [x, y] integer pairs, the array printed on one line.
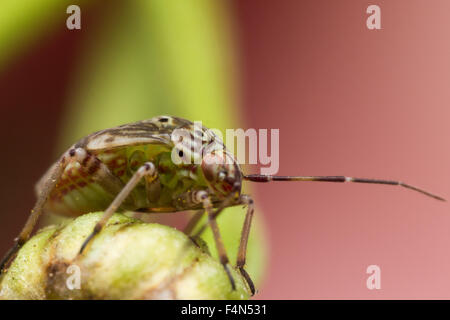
[[268, 178]]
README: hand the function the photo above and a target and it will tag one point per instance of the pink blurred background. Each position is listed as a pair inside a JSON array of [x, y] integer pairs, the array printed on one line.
[[347, 101]]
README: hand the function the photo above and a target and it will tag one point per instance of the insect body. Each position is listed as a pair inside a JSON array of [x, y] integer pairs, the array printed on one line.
[[102, 163], [132, 168]]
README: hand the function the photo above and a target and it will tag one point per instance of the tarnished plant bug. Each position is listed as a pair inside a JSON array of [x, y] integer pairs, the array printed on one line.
[[130, 168]]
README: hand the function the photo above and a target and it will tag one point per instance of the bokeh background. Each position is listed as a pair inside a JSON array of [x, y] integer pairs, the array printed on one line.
[[347, 101]]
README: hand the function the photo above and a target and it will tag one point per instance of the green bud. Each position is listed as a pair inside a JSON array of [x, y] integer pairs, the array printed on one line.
[[128, 259]]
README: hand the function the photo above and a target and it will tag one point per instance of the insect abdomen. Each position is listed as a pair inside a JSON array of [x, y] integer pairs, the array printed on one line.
[[76, 193]]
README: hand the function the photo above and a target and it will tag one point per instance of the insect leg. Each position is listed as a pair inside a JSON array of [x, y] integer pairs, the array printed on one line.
[[248, 201], [195, 219], [206, 201], [147, 169], [48, 185], [242, 253], [99, 172], [228, 202], [231, 198]]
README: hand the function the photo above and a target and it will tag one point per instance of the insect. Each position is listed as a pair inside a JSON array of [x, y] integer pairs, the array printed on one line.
[[131, 168]]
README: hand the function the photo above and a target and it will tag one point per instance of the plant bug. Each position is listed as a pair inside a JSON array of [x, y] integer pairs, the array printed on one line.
[[130, 168]]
